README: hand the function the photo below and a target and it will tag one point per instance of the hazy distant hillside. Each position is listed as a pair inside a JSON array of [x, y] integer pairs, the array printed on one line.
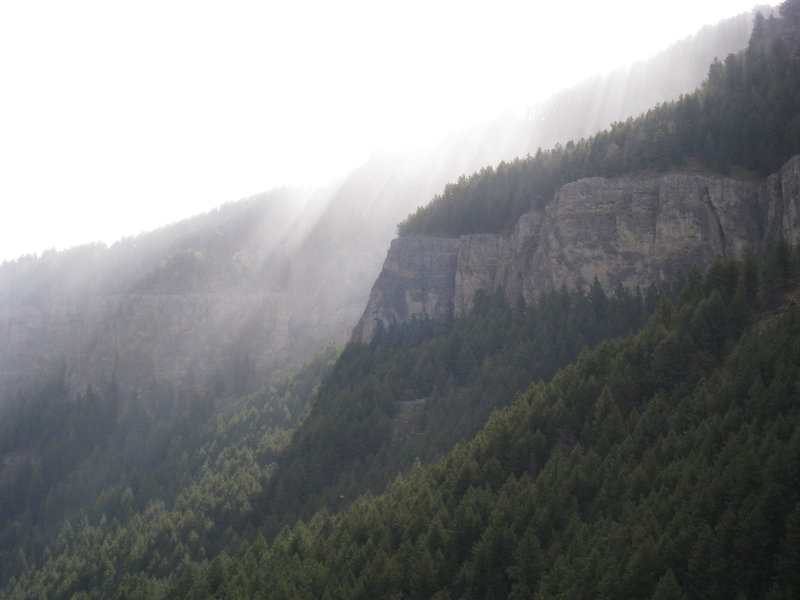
[[152, 452], [170, 308]]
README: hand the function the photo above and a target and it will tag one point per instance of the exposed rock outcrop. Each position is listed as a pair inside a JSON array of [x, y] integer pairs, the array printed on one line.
[[416, 280], [626, 231]]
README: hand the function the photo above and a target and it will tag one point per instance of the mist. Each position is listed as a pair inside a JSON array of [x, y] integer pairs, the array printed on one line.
[[268, 280], [118, 121]]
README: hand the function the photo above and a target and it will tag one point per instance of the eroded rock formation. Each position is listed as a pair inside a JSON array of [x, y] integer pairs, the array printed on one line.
[[626, 231]]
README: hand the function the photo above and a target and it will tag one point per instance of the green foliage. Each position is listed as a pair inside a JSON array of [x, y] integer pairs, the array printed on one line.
[[604, 483], [619, 478], [747, 115], [44, 436], [659, 465], [357, 436], [167, 488]]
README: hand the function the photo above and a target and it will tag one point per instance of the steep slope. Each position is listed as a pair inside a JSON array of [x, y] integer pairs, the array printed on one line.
[[418, 389], [664, 465], [615, 227], [660, 465], [203, 478]]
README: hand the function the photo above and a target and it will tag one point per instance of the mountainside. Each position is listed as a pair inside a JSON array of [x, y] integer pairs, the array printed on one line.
[[626, 232], [215, 303], [487, 235], [594, 209], [660, 465], [546, 397], [261, 284], [663, 465], [168, 310]]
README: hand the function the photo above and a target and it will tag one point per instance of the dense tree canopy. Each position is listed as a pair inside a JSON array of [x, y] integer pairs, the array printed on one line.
[[745, 116], [661, 464], [593, 444]]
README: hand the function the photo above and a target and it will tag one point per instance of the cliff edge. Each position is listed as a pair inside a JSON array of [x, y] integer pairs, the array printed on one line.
[[625, 232]]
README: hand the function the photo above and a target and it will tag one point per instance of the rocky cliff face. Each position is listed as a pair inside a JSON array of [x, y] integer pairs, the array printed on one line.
[[627, 231], [417, 279]]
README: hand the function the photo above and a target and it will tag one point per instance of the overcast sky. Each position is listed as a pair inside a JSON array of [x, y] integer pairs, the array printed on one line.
[[117, 117]]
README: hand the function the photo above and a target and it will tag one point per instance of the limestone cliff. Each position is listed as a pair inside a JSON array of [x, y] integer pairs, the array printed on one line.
[[626, 231], [417, 279]]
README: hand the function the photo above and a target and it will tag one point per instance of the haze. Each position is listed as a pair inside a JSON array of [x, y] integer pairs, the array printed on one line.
[[121, 117]]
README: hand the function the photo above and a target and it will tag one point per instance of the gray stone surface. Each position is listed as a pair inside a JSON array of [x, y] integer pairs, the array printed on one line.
[[626, 231], [416, 280]]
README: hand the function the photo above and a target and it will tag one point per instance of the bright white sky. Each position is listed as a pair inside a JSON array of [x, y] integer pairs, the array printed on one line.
[[117, 117]]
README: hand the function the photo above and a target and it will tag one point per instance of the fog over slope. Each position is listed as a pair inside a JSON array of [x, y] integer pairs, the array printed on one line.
[[259, 284]]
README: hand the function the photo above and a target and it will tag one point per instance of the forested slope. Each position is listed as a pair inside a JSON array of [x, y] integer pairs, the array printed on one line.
[[743, 119], [662, 465], [347, 445], [178, 482], [418, 389], [665, 464]]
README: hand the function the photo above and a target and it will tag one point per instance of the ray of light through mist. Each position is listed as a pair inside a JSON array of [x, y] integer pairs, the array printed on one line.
[[121, 117]]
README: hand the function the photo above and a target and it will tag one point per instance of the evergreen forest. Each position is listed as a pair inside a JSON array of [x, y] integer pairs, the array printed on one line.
[[592, 443], [664, 463], [742, 121]]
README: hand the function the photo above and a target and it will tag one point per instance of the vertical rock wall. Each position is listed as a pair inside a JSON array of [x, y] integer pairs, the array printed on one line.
[[624, 232]]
